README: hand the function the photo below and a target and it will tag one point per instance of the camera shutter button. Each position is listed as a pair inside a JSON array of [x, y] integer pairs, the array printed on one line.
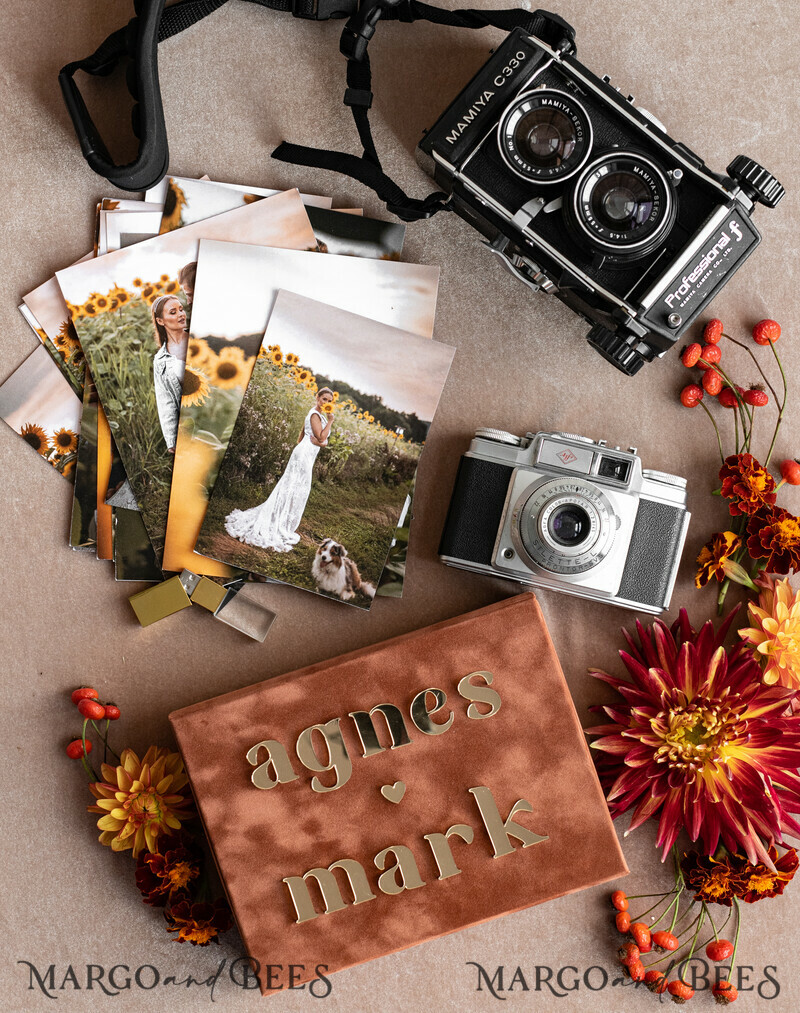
[[665, 477]]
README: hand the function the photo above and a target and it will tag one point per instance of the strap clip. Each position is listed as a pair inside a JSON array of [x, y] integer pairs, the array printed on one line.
[[358, 97], [361, 27]]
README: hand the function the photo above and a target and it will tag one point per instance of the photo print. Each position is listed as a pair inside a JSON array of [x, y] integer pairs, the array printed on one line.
[[351, 235], [236, 290], [39, 404], [324, 450], [131, 310], [185, 201], [83, 522]]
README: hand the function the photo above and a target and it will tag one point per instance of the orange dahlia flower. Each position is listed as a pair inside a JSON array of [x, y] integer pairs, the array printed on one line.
[[699, 739], [141, 800], [775, 634], [746, 484]]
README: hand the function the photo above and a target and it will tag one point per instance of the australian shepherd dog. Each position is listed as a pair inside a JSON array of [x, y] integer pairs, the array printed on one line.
[[335, 572]]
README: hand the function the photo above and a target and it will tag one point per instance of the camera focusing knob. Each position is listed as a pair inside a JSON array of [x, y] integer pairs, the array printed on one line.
[[653, 119], [756, 182], [574, 436], [499, 436]]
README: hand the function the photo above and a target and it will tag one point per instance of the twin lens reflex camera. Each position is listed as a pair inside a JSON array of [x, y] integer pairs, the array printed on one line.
[[583, 194], [561, 511]]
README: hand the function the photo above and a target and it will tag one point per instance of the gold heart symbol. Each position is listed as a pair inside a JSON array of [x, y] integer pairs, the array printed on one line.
[[394, 792]]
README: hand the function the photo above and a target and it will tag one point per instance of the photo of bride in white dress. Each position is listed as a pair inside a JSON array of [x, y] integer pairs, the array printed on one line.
[[273, 524]]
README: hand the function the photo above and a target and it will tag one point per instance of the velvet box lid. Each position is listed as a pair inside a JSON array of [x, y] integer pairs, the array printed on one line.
[[431, 782]]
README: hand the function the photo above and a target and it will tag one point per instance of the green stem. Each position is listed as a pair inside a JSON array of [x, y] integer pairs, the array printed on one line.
[[783, 404], [750, 352], [700, 920], [736, 427], [716, 430], [736, 937], [84, 758]]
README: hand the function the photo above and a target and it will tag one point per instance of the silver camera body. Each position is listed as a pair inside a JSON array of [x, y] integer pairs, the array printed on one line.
[[562, 511]]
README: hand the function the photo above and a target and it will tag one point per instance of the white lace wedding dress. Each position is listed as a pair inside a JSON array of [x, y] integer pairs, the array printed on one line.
[[273, 524]]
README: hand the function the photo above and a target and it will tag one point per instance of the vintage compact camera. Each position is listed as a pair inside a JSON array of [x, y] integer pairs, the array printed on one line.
[[584, 195], [562, 511]]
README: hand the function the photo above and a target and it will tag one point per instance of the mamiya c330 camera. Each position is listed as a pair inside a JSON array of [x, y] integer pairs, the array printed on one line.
[[561, 511], [585, 195]]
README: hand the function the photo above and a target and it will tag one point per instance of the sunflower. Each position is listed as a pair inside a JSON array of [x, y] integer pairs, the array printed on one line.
[[302, 375], [65, 441], [198, 352], [774, 636], [292, 359], [199, 923], [699, 738], [120, 295], [171, 287], [68, 468], [102, 303], [36, 437], [195, 387], [75, 312], [276, 357], [66, 340], [713, 555], [174, 202], [147, 291], [228, 369], [137, 283], [328, 408], [89, 309], [141, 800]]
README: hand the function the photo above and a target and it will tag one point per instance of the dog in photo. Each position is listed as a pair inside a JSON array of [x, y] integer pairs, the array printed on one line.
[[335, 572]]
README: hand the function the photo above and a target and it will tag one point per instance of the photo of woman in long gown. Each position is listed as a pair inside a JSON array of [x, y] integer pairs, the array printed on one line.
[[169, 362], [274, 523]]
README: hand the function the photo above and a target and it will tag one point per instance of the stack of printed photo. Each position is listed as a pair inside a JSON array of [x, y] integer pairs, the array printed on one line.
[[240, 383]]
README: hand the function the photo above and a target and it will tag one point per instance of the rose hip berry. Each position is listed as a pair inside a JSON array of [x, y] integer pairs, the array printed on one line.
[[710, 356], [623, 921], [627, 953], [712, 382], [724, 992], [84, 693], [665, 940], [790, 471], [712, 332], [112, 711], [691, 354], [91, 709], [75, 749], [619, 900], [680, 991], [656, 981], [719, 949], [641, 936], [766, 332], [691, 395], [756, 397], [635, 970], [727, 398]]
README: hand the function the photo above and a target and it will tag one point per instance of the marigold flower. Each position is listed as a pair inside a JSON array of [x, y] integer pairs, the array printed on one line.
[[762, 881], [713, 554], [774, 535], [775, 633], [699, 738], [157, 876], [714, 880], [749, 486], [199, 924], [141, 800]]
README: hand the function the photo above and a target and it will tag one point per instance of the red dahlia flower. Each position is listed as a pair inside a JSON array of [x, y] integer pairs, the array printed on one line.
[[749, 486], [700, 739]]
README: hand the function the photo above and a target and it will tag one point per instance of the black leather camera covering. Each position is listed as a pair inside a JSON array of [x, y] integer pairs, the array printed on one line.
[[476, 508], [655, 543]]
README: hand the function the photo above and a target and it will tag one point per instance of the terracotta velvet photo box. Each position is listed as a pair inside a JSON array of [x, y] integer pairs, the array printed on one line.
[[386, 797]]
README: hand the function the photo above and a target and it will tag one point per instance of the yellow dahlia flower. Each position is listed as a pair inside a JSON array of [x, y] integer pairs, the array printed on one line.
[[141, 800], [775, 633]]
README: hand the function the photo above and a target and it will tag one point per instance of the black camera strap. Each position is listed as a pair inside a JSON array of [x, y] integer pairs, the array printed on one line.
[[138, 43], [355, 38]]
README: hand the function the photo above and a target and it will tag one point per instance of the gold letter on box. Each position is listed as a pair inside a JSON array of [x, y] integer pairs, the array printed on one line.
[[338, 758], [421, 714], [410, 878], [277, 758], [329, 888]]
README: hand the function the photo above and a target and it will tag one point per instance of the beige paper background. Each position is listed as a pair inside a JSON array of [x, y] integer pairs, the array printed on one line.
[[723, 79]]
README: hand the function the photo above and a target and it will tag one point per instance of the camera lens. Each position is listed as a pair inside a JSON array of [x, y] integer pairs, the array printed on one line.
[[545, 136], [569, 525], [623, 204]]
